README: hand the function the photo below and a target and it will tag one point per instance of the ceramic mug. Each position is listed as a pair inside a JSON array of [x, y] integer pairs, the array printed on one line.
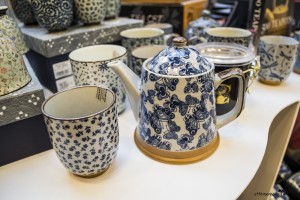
[[83, 127], [10, 28], [54, 15], [90, 11], [140, 54], [13, 72], [228, 35], [23, 11], [297, 63], [89, 66], [277, 58], [113, 8], [137, 37]]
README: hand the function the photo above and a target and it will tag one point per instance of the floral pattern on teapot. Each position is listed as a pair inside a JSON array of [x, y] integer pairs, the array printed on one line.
[[179, 61], [172, 116]]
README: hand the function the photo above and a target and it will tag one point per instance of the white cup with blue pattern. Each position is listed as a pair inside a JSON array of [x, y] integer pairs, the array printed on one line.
[[83, 127], [297, 63], [277, 58]]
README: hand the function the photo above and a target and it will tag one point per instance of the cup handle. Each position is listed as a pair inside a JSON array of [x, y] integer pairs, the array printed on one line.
[[220, 77], [255, 68], [196, 40]]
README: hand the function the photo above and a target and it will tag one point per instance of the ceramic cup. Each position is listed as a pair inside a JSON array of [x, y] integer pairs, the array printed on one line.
[[23, 11], [297, 63], [90, 11], [10, 28], [113, 8], [54, 15], [140, 54], [83, 127], [13, 72], [228, 35], [167, 28], [137, 37], [277, 58], [89, 66]]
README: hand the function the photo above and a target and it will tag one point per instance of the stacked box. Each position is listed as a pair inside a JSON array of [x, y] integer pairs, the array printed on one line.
[[22, 128], [176, 12]]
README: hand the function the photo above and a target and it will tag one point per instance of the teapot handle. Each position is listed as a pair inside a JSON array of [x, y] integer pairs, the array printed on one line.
[[220, 77]]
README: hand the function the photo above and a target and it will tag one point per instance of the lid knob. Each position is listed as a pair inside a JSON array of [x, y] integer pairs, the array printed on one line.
[[3, 10], [206, 13], [179, 42]]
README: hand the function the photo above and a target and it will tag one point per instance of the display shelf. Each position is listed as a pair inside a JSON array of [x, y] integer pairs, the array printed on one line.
[[76, 36], [224, 175]]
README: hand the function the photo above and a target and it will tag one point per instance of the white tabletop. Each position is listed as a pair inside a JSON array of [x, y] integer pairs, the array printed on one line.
[[224, 175]]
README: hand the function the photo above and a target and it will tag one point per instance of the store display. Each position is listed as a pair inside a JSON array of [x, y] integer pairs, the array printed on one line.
[[178, 13], [195, 30], [140, 54], [13, 73], [175, 103], [228, 35], [227, 56], [83, 128], [297, 63], [23, 11], [113, 8], [292, 186], [11, 29], [49, 51], [54, 15], [89, 66], [277, 58], [90, 11]]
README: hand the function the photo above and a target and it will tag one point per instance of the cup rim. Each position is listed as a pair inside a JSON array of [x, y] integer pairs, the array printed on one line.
[[133, 52], [77, 118], [277, 40], [241, 31], [126, 33], [71, 55]]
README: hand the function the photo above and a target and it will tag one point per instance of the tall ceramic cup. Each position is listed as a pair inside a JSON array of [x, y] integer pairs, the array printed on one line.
[[90, 11], [277, 58], [297, 63], [141, 54], [137, 37], [228, 35], [83, 128], [89, 65]]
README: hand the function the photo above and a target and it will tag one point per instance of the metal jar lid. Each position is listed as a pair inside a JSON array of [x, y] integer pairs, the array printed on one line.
[[224, 54]]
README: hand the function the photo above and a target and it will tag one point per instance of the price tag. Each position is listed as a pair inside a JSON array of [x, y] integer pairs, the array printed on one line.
[[62, 69], [65, 83]]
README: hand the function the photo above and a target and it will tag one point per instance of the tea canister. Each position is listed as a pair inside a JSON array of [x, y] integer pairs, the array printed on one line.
[[13, 73], [228, 56], [10, 29], [195, 30], [174, 103]]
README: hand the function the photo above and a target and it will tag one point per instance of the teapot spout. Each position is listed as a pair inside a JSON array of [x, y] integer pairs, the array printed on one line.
[[130, 81]]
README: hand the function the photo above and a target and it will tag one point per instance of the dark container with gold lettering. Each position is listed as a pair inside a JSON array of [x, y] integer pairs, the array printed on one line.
[[225, 56]]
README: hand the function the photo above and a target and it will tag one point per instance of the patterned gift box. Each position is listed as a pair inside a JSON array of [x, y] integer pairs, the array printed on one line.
[[23, 103]]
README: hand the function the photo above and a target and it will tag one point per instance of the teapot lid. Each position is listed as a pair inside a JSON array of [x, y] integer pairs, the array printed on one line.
[[204, 21], [179, 60], [3, 10]]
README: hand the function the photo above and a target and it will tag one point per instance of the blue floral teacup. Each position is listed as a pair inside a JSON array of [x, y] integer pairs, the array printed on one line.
[[277, 58], [297, 63], [83, 127]]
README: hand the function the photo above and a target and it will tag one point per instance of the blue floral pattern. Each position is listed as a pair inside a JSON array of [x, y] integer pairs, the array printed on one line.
[[177, 113], [179, 61]]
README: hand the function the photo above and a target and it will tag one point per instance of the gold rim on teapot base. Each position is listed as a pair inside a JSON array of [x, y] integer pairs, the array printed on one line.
[[176, 157], [269, 82]]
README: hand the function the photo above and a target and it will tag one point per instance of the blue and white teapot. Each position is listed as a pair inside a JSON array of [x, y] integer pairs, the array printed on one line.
[[174, 103]]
